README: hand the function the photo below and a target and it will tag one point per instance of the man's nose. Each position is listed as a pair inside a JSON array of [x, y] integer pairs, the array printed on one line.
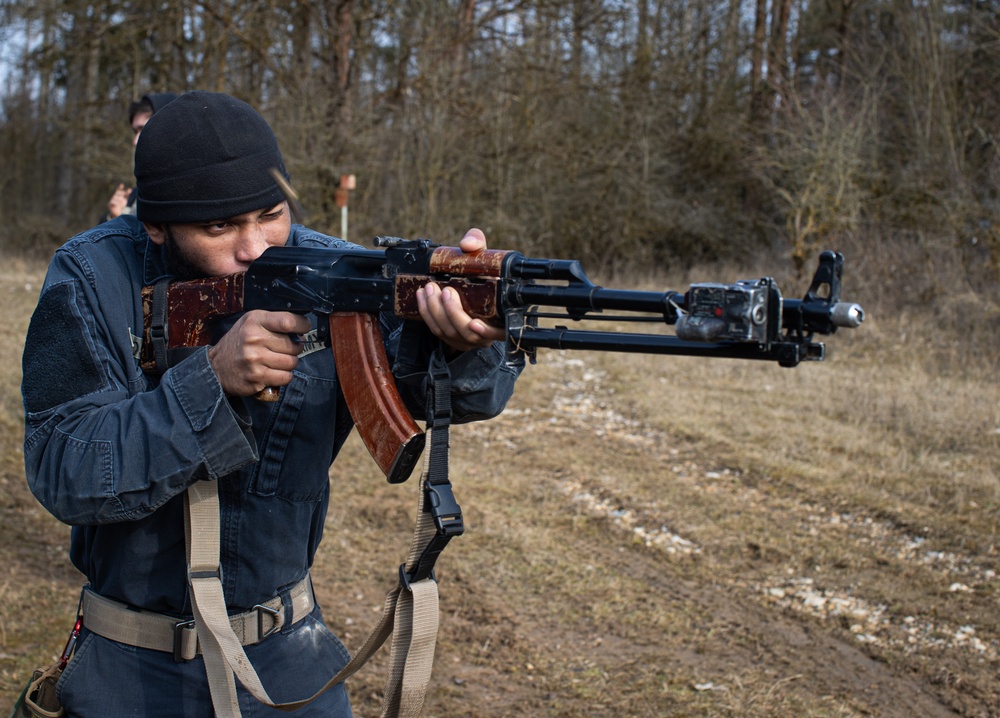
[[251, 243]]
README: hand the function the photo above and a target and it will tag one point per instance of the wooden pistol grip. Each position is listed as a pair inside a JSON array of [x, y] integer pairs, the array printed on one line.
[[268, 394], [388, 431]]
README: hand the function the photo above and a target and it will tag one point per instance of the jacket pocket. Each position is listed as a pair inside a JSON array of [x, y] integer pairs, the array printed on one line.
[[300, 438]]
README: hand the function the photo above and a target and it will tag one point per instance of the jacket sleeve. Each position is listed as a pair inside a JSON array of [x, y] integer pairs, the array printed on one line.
[[103, 443], [481, 381]]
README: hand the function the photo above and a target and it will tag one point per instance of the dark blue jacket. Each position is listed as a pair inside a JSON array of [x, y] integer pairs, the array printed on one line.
[[110, 450]]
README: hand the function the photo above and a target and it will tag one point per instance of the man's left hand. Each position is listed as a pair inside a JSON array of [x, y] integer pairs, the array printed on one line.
[[444, 314]]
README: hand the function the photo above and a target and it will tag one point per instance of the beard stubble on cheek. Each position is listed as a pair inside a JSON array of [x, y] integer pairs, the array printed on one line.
[[179, 263]]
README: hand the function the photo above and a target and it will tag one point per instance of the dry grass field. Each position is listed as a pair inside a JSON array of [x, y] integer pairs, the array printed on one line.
[[653, 536]]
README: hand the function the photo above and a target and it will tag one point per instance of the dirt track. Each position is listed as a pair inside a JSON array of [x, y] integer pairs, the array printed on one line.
[[611, 568], [736, 636], [634, 548]]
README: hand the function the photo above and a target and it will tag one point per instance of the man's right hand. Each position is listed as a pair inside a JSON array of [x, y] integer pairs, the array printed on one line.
[[258, 352]]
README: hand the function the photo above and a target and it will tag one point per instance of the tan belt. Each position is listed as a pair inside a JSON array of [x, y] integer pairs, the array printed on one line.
[[146, 629]]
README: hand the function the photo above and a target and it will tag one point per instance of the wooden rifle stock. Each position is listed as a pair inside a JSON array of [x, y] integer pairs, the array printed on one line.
[[189, 315]]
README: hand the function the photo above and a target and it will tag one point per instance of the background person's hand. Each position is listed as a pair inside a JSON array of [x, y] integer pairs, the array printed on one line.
[[118, 201]]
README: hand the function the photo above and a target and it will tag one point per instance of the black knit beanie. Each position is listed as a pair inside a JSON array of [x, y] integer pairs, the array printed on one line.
[[205, 156]]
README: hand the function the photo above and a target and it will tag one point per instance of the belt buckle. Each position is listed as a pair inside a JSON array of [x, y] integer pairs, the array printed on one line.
[[273, 613], [179, 640]]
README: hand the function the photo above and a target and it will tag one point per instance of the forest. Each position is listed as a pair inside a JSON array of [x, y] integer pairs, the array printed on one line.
[[631, 134]]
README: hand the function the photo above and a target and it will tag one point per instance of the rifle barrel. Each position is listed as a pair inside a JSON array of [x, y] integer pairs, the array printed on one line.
[[785, 353], [595, 299]]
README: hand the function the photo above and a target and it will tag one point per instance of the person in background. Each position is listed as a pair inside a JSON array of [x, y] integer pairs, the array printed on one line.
[[139, 112]]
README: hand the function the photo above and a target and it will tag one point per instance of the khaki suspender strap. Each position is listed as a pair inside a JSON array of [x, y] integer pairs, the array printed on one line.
[[222, 650], [410, 611]]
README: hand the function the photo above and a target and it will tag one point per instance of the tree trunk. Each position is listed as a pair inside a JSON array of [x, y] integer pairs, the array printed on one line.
[[758, 91]]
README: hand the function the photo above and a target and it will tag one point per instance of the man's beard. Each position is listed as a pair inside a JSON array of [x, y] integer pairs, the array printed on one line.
[[179, 264]]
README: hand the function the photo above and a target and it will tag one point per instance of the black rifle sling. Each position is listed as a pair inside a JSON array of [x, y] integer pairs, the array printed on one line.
[[158, 324], [159, 330], [439, 499], [414, 601]]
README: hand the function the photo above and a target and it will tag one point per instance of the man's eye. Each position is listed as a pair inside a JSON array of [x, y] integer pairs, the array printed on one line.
[[274, 215]]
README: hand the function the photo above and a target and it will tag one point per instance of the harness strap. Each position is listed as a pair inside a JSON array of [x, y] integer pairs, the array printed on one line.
[[219, 643], [410, 611]]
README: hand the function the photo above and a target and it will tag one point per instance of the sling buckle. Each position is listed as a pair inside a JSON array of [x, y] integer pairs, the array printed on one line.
[[273, 613], [444, 509], [179, 629]]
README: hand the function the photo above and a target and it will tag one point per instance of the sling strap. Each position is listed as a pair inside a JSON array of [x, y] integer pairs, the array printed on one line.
[[159, 331]]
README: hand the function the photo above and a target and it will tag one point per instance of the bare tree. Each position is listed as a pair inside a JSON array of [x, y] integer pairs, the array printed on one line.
[[683, 127]]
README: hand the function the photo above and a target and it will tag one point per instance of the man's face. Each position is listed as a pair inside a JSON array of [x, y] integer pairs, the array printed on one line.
[[138, 122], [221, 247]]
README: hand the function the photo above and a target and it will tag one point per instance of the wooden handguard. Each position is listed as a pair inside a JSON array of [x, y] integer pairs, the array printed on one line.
[[479, 296], [452, 260], [475, 276], [384, 423]]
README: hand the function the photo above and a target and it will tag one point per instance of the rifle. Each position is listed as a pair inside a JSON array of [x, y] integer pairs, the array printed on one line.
[[746, 320]]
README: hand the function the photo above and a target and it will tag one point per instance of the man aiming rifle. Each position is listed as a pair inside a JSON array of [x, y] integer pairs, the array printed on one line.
[[112, 451], [155, 342]]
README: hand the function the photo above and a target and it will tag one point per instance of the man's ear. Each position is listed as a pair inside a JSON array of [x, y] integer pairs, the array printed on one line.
[[157, 232]]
